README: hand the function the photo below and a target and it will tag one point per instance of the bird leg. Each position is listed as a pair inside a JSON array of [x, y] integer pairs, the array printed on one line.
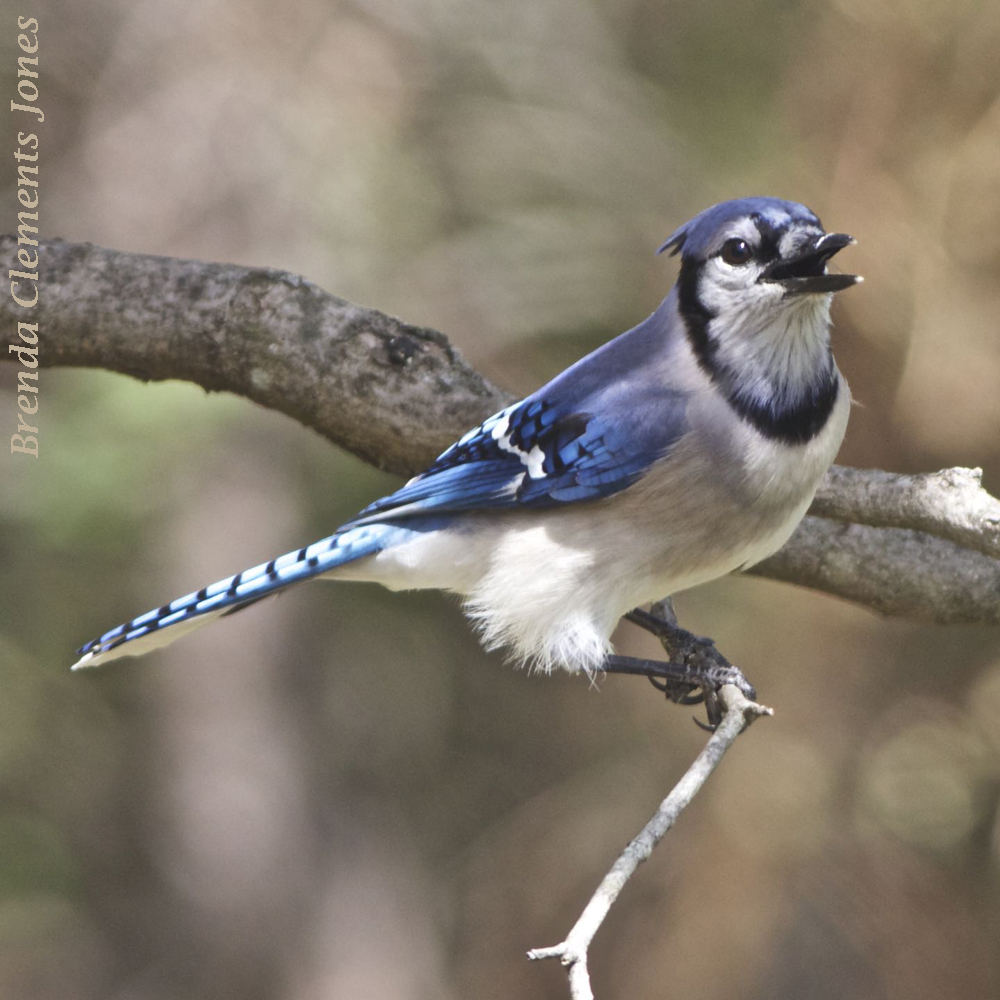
[[695, 669]]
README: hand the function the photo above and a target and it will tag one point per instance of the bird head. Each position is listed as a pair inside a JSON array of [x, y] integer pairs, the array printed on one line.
[[754, 295], [756, 255]]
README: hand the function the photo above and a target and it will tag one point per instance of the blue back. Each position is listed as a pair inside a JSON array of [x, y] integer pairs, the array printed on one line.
[[590, 432]]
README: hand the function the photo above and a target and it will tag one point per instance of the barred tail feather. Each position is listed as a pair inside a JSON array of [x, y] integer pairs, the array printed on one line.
[[162, 626]]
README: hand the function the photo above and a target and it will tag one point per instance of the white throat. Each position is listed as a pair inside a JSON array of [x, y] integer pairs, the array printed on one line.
[[772, 353]]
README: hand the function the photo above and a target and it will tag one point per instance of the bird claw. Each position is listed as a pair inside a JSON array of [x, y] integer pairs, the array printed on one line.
[[709, 727]]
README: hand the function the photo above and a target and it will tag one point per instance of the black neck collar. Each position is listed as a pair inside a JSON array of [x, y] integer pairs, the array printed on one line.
[[796, 421]]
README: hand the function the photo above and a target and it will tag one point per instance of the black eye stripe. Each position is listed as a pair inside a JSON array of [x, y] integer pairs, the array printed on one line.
[[770, 237], [764, 241]]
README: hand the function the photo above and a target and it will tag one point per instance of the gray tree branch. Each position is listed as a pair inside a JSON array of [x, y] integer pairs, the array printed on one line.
[[922, 547], [895, 571], [390, 392], [951, 504]]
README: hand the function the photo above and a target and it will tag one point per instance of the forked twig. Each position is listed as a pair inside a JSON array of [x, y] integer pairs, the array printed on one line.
[[739, 712]]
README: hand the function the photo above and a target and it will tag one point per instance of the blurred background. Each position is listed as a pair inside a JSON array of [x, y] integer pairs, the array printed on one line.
[[337, 794]]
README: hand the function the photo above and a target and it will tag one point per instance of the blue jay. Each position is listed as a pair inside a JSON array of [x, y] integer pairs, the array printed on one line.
[[686, 448]]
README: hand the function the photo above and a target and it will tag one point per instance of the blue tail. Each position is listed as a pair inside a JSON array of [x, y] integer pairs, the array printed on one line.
[[160, 627]]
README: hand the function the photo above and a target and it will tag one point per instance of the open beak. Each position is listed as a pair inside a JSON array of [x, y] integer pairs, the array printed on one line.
[[805, 273]]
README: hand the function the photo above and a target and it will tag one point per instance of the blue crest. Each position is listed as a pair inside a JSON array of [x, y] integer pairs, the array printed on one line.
[[698, 237]]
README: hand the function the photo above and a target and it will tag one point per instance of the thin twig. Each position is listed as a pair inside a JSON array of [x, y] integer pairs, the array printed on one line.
[[572, 952]]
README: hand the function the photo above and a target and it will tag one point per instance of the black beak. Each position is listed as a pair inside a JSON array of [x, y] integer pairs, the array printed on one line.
[[805, 273]]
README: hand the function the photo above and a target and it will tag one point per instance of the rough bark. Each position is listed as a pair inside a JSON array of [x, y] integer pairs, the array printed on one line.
[[393, 393]]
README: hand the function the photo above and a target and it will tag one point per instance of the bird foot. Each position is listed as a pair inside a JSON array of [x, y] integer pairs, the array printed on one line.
[[694, 672]]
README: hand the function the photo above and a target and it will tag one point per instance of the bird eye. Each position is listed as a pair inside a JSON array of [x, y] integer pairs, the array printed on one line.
[[737, 252]]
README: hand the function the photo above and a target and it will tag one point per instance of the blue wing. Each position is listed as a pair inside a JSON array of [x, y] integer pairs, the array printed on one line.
[[584, 436]]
